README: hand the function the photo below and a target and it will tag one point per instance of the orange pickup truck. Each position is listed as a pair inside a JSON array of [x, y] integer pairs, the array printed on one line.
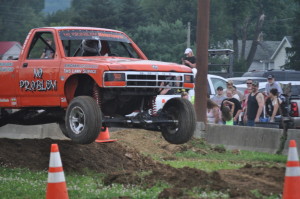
[[86, 79]]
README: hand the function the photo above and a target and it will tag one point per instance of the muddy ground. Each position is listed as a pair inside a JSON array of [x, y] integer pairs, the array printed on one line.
[[122, 160]]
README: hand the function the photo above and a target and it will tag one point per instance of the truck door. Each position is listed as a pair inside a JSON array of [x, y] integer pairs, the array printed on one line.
[[38, 74], [8, 95]]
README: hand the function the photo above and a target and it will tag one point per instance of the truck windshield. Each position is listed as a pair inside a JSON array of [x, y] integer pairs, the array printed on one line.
[[78, 43]]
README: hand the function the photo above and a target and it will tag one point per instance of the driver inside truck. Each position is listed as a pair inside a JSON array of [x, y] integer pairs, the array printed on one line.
[[91, 47], [48, 52]]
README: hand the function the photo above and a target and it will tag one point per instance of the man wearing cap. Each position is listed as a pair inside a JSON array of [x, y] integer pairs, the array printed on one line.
[[255, 105], [272, 84], [219, 97], [189, 59]]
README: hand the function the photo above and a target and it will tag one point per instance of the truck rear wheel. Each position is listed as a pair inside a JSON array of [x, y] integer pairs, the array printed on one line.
[[183, 111], [83, 120]]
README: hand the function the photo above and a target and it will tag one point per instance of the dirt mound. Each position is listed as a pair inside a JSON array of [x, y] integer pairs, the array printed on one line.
[[239, 182], [105, 157], [122, 160], [147, 142]]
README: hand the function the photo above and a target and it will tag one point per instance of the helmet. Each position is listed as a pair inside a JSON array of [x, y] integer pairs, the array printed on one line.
[[91, 47]]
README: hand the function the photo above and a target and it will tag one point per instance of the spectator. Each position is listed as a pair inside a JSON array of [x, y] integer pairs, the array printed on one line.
[[255, 105], [213, 113], [227, 112], [219, 97], [273, 105], [237, 106], [189, 60], [272, 84], [229, 85], [235, 93], [245, 99]]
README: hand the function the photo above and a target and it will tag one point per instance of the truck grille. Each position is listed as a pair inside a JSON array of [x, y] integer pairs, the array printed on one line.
[[144, 79], [154, 80]]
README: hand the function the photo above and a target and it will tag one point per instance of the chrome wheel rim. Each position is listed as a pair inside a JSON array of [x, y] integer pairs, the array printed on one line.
[[77, 120]]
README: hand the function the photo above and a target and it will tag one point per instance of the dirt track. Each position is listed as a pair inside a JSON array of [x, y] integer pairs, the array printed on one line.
[[122, 159]]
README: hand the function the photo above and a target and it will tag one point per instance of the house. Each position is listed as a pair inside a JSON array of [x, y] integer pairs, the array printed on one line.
[[280, 57], [270, 55], [262, 59], [9, 49]]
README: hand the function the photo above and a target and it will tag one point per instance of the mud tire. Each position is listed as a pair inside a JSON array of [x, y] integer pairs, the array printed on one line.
[[63, 128], [182, 110], [83, 120]]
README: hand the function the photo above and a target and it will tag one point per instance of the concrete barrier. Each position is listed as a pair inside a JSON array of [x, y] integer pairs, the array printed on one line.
[[33, 132], [244, 138], [292, 134]]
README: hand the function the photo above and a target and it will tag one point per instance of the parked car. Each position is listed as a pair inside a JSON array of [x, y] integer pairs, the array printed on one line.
[[242, 80], [280, 75]]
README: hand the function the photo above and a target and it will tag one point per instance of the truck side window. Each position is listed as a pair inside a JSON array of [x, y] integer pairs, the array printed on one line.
[[42, 46]]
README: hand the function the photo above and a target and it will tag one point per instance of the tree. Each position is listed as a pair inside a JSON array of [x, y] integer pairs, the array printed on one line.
[[98, 13], [164, 41], [248, 23], [294, 52], [17, 17]]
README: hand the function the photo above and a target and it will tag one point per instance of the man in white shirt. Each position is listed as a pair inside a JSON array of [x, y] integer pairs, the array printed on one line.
[[272, 84], [219, 97]]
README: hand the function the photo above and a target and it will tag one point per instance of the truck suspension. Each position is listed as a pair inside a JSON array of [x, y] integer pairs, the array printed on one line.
[[96, 94]]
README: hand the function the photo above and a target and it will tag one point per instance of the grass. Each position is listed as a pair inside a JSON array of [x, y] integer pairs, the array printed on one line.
[[218, 158], [23, 184], [203, 165], [26, 184]]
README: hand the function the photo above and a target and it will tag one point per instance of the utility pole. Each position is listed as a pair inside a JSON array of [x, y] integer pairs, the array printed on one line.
[[202, 59], [188, 38]]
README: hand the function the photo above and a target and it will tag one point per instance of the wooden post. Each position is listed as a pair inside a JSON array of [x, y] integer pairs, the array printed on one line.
[[202, 59]]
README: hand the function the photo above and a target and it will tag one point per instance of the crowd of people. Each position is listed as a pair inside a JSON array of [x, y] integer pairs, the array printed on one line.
[[231, 107]]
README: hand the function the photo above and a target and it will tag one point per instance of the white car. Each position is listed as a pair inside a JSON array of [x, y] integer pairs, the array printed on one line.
[[213, 82], [242, 80], [262, 85]]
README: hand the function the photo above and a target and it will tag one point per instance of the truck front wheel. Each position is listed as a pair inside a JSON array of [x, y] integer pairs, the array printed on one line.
[[83, 120], [183, 111]]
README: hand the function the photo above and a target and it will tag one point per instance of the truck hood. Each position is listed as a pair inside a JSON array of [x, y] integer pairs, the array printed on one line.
[[121, 64]]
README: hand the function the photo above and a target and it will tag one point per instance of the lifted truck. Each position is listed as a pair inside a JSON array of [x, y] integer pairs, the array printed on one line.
[[87, 79]]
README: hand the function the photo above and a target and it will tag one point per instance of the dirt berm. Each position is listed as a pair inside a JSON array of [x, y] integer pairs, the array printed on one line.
[[122, 160]]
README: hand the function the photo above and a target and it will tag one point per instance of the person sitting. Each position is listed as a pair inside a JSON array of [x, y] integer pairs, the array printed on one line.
[[91, 47], [273, 105], [48, 52]]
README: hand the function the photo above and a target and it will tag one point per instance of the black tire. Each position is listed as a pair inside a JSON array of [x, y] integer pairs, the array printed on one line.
[[63, 128], [182, 110], [83, 120]]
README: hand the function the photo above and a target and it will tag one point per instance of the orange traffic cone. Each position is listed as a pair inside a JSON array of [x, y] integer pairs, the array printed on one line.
[[292, 174], [104, 136], [56, 188]]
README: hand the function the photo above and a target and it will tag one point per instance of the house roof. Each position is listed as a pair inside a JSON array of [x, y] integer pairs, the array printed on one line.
[[286, 39], [264, 51], [6, 45]]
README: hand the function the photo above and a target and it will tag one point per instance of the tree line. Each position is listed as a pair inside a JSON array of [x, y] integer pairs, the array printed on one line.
[[159, 27]]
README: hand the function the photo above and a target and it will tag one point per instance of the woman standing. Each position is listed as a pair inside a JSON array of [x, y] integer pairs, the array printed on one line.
[[273, 104], [227, 112]]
